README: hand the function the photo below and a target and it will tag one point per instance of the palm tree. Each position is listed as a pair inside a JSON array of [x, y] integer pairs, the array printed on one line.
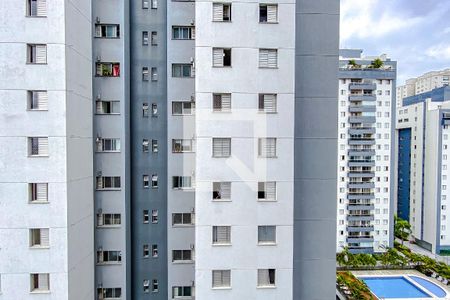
[[402, 229], [377, 63]]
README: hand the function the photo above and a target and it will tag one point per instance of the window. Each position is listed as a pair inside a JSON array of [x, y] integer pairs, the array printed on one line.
[[108, 145], [146, 181], [154, 38], [268, 13], [154, 4], [109, 293], [39, 238], [222, 12], [267, 103], [145, 145], [221, 57], [222, 102], [36, 54], [106, 220], [145, 216], [154, 250], [181, 182], [154, 181], [108, 182], [182, 146], [39, 282], [145, 110], [182, 70], [267, 191], [267, 235], [266, 277], [221, 147], [154, 146], [268, 58], [110, 31], [36, 8], [182, 219], [183, 32], [221, 191], [145, 75], [38, 192], [182, 108], [267, 147], [181, 292], [154, 110], [107, 69], [37, 100], [221, 278], [181, 255], [145, 4], [109, 257], [145, 38], [107, 107], [146, 285], [38, 146], [155, 285], [221, 235], [154, 74], [145, 251], [154, 216]]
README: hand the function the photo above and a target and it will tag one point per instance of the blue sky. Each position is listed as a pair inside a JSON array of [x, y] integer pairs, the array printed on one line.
[[416, 33]]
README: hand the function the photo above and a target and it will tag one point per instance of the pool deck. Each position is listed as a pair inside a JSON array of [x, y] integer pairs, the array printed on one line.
[[402, 273]]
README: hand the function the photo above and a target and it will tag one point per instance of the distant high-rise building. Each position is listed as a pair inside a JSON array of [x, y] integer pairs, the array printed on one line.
[[168, 149], [422, 84], [366, 93], [423, 179]]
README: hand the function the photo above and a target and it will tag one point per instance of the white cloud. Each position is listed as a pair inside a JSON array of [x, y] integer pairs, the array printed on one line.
[[440, 51], [368, 19]]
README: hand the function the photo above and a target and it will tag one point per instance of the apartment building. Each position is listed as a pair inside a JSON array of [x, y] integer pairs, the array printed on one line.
[[422, 84], [196, 151], [365, 185], [422, 177], [46, 181]]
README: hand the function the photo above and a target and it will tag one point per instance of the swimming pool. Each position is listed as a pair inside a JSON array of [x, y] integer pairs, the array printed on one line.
[[436, 290], [390, 287]]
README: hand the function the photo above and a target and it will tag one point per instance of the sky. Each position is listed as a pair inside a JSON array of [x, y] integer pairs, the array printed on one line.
[[416, 33]]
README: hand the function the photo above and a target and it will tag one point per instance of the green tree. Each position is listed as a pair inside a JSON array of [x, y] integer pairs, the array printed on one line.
[[402, 229], [377, 63]]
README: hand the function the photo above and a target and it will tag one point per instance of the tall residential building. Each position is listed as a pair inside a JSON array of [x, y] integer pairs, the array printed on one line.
[[46, 181], [190, 163], [365, 188], [423, 129], [423, 84]]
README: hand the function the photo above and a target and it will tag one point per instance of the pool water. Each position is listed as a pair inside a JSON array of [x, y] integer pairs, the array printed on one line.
[[393, 287], [436, 290]]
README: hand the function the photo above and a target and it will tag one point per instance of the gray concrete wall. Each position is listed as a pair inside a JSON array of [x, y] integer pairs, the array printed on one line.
[[317, 43]]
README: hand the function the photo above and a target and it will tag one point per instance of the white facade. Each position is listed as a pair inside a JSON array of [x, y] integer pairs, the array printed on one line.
[[43, 187], [244, 125], [429, 175], [423, 84], [364, 158]]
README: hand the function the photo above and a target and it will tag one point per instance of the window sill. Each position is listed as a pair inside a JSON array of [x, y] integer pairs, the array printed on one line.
[[183, 262], [106, 76], [108, 226], [267, 244], [221, 288], [259, 156], [107, 38], [38, 202], [182, 225], [223, 21], [107, 114], [181, 152], [221, 200], [221, 112], [109, 263], [184, 189], [221, 245], [267, 112], [222, 67], [266, 287], [107, 151], [40, 292], [273, 68], [265, 200], [36, 156], [268, 22], [38, 17], [221, 156], [39, 247], [31, 109], [107, 190], [30, 63]]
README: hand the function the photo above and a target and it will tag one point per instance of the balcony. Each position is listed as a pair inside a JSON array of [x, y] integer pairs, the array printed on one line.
[[360, 228], [361, 196], [360, 239], [361, 163], [361, 174], [362, 86], [362, 97], [368, 217], [358, 250], [361, 185], [362, 130], [361, 119], [365, 152], [352, 207], [362, 108]]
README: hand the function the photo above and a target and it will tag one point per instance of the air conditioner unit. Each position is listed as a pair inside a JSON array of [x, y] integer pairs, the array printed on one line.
[[192, 22], [97, 20]]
